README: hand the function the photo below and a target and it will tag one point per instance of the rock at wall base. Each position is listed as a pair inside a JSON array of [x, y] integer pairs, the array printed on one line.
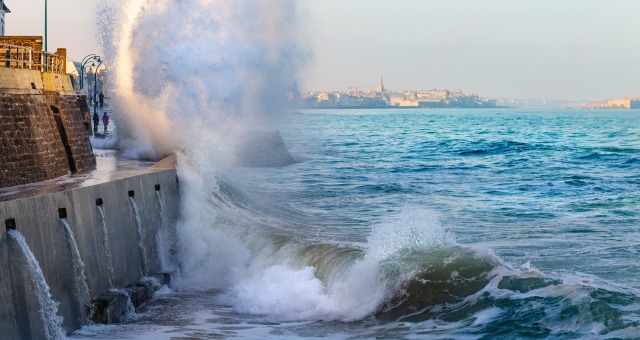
[[110, 308], [263, 150], [139, 295]]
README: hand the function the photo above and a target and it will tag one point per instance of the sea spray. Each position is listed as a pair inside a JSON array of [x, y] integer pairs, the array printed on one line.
[[80, 280], [226, 70], [141, 238], [48, 308], [105, 244]]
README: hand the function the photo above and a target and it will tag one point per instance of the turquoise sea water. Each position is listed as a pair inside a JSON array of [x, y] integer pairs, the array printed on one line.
[[501, 223], [560, 188]]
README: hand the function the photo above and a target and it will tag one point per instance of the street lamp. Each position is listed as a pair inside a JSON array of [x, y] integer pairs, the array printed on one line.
[[85, 60], [45, 25], [45, 57], [95, 86]]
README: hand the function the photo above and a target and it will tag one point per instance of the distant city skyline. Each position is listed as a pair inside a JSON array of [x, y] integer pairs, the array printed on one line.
[[572, 49]]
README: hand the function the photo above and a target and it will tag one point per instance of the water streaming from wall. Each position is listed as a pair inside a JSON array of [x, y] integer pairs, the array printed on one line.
[[105, 243], [48, 308], [80, 280], [141, 237], [164, 240]]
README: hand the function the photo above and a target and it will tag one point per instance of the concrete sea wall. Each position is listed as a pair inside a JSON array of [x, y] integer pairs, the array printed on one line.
[[38, 220]]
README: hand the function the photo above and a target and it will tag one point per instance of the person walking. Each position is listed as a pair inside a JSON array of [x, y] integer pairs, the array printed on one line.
[[101, 96], [105, 121], [96, 121]]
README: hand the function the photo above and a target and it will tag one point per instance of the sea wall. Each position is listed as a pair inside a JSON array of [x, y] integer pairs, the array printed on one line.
[[38, 219], [42, 135]]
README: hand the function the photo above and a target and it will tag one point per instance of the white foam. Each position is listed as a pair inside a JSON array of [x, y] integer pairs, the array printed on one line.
[[485, 316], [286, 291]]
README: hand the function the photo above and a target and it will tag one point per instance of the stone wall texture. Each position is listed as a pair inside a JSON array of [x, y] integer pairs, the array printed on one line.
[[79, 152], [30, 146], [42, 135]]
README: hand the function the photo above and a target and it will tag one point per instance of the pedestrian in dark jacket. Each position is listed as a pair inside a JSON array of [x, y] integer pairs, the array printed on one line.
[[96, 121]]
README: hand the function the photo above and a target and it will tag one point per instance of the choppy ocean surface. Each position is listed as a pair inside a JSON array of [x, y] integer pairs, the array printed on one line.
[[464, 224]]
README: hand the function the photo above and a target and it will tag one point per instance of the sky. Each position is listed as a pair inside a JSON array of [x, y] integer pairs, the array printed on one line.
[[546, 49], [71, 24]]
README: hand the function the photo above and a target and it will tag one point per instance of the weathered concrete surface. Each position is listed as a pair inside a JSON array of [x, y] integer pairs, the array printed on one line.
[[37, 218], [21, 81]]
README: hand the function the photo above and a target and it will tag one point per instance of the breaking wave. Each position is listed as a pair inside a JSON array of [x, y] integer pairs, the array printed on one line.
[[407, 270]]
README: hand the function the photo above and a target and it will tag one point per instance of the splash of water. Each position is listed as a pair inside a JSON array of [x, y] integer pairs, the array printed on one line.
[[105, 244], [48, 308], [80, 280], [224, 67], [164, 240], [141, 238]]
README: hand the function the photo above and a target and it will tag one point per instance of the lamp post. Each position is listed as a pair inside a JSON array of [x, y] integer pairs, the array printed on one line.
[[85, 60], [95, 87], [45, 25], [45, 57]]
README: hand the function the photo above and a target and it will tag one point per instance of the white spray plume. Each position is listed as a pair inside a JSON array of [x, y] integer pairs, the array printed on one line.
[[196, 74]]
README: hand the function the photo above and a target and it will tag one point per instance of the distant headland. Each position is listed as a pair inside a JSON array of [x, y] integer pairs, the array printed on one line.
[[625, 103], [383, 98]]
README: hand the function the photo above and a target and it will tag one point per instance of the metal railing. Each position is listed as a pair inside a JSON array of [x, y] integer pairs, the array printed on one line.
[[21, 57]]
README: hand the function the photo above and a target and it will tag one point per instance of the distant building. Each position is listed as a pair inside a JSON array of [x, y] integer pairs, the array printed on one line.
[[348, 100], [403, 100], [326, 99], [626, 103], [380, 88], [3, 10]]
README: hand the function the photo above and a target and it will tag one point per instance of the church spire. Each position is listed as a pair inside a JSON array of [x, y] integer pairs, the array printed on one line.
[[380, 88]]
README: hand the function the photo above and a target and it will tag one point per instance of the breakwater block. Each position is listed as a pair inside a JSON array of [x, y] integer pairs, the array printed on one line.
[[110, 307], [165, 278], [139, 295], [263, 150]]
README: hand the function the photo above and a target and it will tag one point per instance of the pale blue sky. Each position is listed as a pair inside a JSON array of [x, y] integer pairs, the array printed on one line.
[[70, 23], [568, 49]]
